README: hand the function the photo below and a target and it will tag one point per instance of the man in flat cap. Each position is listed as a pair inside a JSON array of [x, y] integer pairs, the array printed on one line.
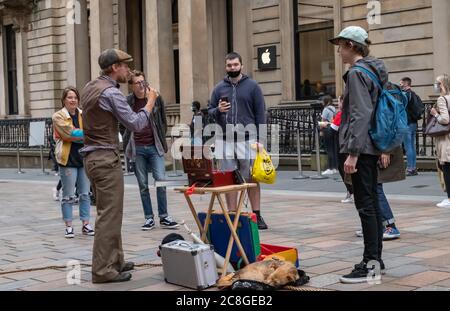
[[104, 107]]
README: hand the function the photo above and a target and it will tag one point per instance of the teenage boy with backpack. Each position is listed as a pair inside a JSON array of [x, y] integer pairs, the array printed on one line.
[[360, 99], [415, 111]]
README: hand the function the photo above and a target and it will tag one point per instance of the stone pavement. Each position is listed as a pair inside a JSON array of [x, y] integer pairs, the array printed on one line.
[[32, 235]]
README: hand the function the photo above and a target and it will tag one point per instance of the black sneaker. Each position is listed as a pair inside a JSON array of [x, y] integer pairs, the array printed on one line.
[[411, 173], [358, 275], [261, 223], [382, 266], [149, 225], [87, 230], [168, 223]]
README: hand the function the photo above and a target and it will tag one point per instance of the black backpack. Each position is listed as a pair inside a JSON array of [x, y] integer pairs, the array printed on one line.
[[415, 107]]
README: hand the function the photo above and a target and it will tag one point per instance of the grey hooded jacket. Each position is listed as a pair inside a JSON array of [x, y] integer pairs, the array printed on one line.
[[158, 123], [360, 98]]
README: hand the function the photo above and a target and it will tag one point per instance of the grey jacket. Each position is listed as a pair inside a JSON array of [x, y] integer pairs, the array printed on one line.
[[158, 123], [360, 98]]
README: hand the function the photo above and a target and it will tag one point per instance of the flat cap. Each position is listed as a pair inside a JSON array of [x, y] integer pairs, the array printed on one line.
[[113, 56]]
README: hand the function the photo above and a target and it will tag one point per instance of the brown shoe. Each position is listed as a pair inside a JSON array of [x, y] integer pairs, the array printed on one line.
[[121, 277], [128, 266]]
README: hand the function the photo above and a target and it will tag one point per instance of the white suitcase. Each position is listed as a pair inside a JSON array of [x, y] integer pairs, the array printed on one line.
[[188, 264]]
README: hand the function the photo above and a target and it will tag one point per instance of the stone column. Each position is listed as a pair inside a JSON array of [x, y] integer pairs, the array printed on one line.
[[158, 48], [242, 34], [77, 43], [287, 49], [441, 36], [2, 76], [193, 38], [122, 6], [101, 31], [23, 86], [217, 42], [339, 66]]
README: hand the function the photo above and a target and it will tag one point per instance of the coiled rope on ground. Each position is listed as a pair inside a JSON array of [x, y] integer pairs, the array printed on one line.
[[83, 265], [150, 265]]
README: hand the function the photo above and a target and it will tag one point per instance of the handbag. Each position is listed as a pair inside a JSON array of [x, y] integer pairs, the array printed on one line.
[[434, 128]]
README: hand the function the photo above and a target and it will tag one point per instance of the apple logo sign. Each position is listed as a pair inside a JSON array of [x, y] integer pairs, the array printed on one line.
[[266, 57]]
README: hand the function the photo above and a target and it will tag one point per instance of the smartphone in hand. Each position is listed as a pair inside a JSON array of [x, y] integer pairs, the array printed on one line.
[[225, 103]]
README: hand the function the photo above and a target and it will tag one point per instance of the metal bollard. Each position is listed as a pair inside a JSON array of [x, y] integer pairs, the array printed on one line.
[[42, 161], [19, 169], [299, 157], [319, 172]]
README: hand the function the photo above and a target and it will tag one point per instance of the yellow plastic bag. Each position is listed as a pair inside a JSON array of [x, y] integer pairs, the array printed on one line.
[[263, 170]]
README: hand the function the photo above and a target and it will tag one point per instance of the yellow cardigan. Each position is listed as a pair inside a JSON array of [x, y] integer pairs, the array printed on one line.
[[63, 134]]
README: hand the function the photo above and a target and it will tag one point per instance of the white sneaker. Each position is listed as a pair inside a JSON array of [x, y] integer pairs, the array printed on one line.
[[328, 172], [56, 194], [69, 233], [444, 204], [348, 199], [335, 171]]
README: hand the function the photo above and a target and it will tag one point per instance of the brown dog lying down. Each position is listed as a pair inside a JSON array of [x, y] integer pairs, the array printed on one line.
[[272, 272]]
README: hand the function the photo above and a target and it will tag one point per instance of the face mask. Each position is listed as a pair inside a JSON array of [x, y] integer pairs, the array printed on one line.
[[234, 74], [437, 88]]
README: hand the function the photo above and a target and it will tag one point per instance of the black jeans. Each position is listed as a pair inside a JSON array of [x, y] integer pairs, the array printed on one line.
[[366, 201], [446, 170]]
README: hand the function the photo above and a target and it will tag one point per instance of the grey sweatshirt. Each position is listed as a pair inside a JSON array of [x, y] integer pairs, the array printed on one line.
[[247, 103]]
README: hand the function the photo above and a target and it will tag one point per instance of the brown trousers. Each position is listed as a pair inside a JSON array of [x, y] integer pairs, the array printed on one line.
[[104, 170]]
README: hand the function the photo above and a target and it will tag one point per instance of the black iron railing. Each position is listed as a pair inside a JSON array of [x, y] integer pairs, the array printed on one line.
[[289, 118], [15, 133], [304, 118], [425, 145]]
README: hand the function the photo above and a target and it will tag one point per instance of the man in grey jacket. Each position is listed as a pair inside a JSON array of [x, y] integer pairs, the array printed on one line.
[[147, 148], [360, 98]]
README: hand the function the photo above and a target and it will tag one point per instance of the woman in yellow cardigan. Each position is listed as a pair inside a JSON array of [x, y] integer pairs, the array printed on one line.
[[68, 134]]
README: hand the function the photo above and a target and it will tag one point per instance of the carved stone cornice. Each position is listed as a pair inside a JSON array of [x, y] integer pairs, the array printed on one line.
[[19, 11]]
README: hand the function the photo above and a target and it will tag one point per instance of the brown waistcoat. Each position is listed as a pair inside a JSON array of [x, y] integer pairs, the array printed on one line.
[[101, 127]]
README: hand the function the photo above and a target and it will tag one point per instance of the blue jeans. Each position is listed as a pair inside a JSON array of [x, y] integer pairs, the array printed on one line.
[[69, 177], [385, 208], [410, 146], [148, 160]]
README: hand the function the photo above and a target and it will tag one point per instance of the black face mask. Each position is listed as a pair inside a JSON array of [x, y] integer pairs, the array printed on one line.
[[234, 74]]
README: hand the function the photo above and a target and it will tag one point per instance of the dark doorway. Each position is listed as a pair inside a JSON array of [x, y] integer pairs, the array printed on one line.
[[11, 69], [314, 55], [135, 36]]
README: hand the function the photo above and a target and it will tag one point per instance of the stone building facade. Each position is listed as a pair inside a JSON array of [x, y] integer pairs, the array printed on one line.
[[46, 45]]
